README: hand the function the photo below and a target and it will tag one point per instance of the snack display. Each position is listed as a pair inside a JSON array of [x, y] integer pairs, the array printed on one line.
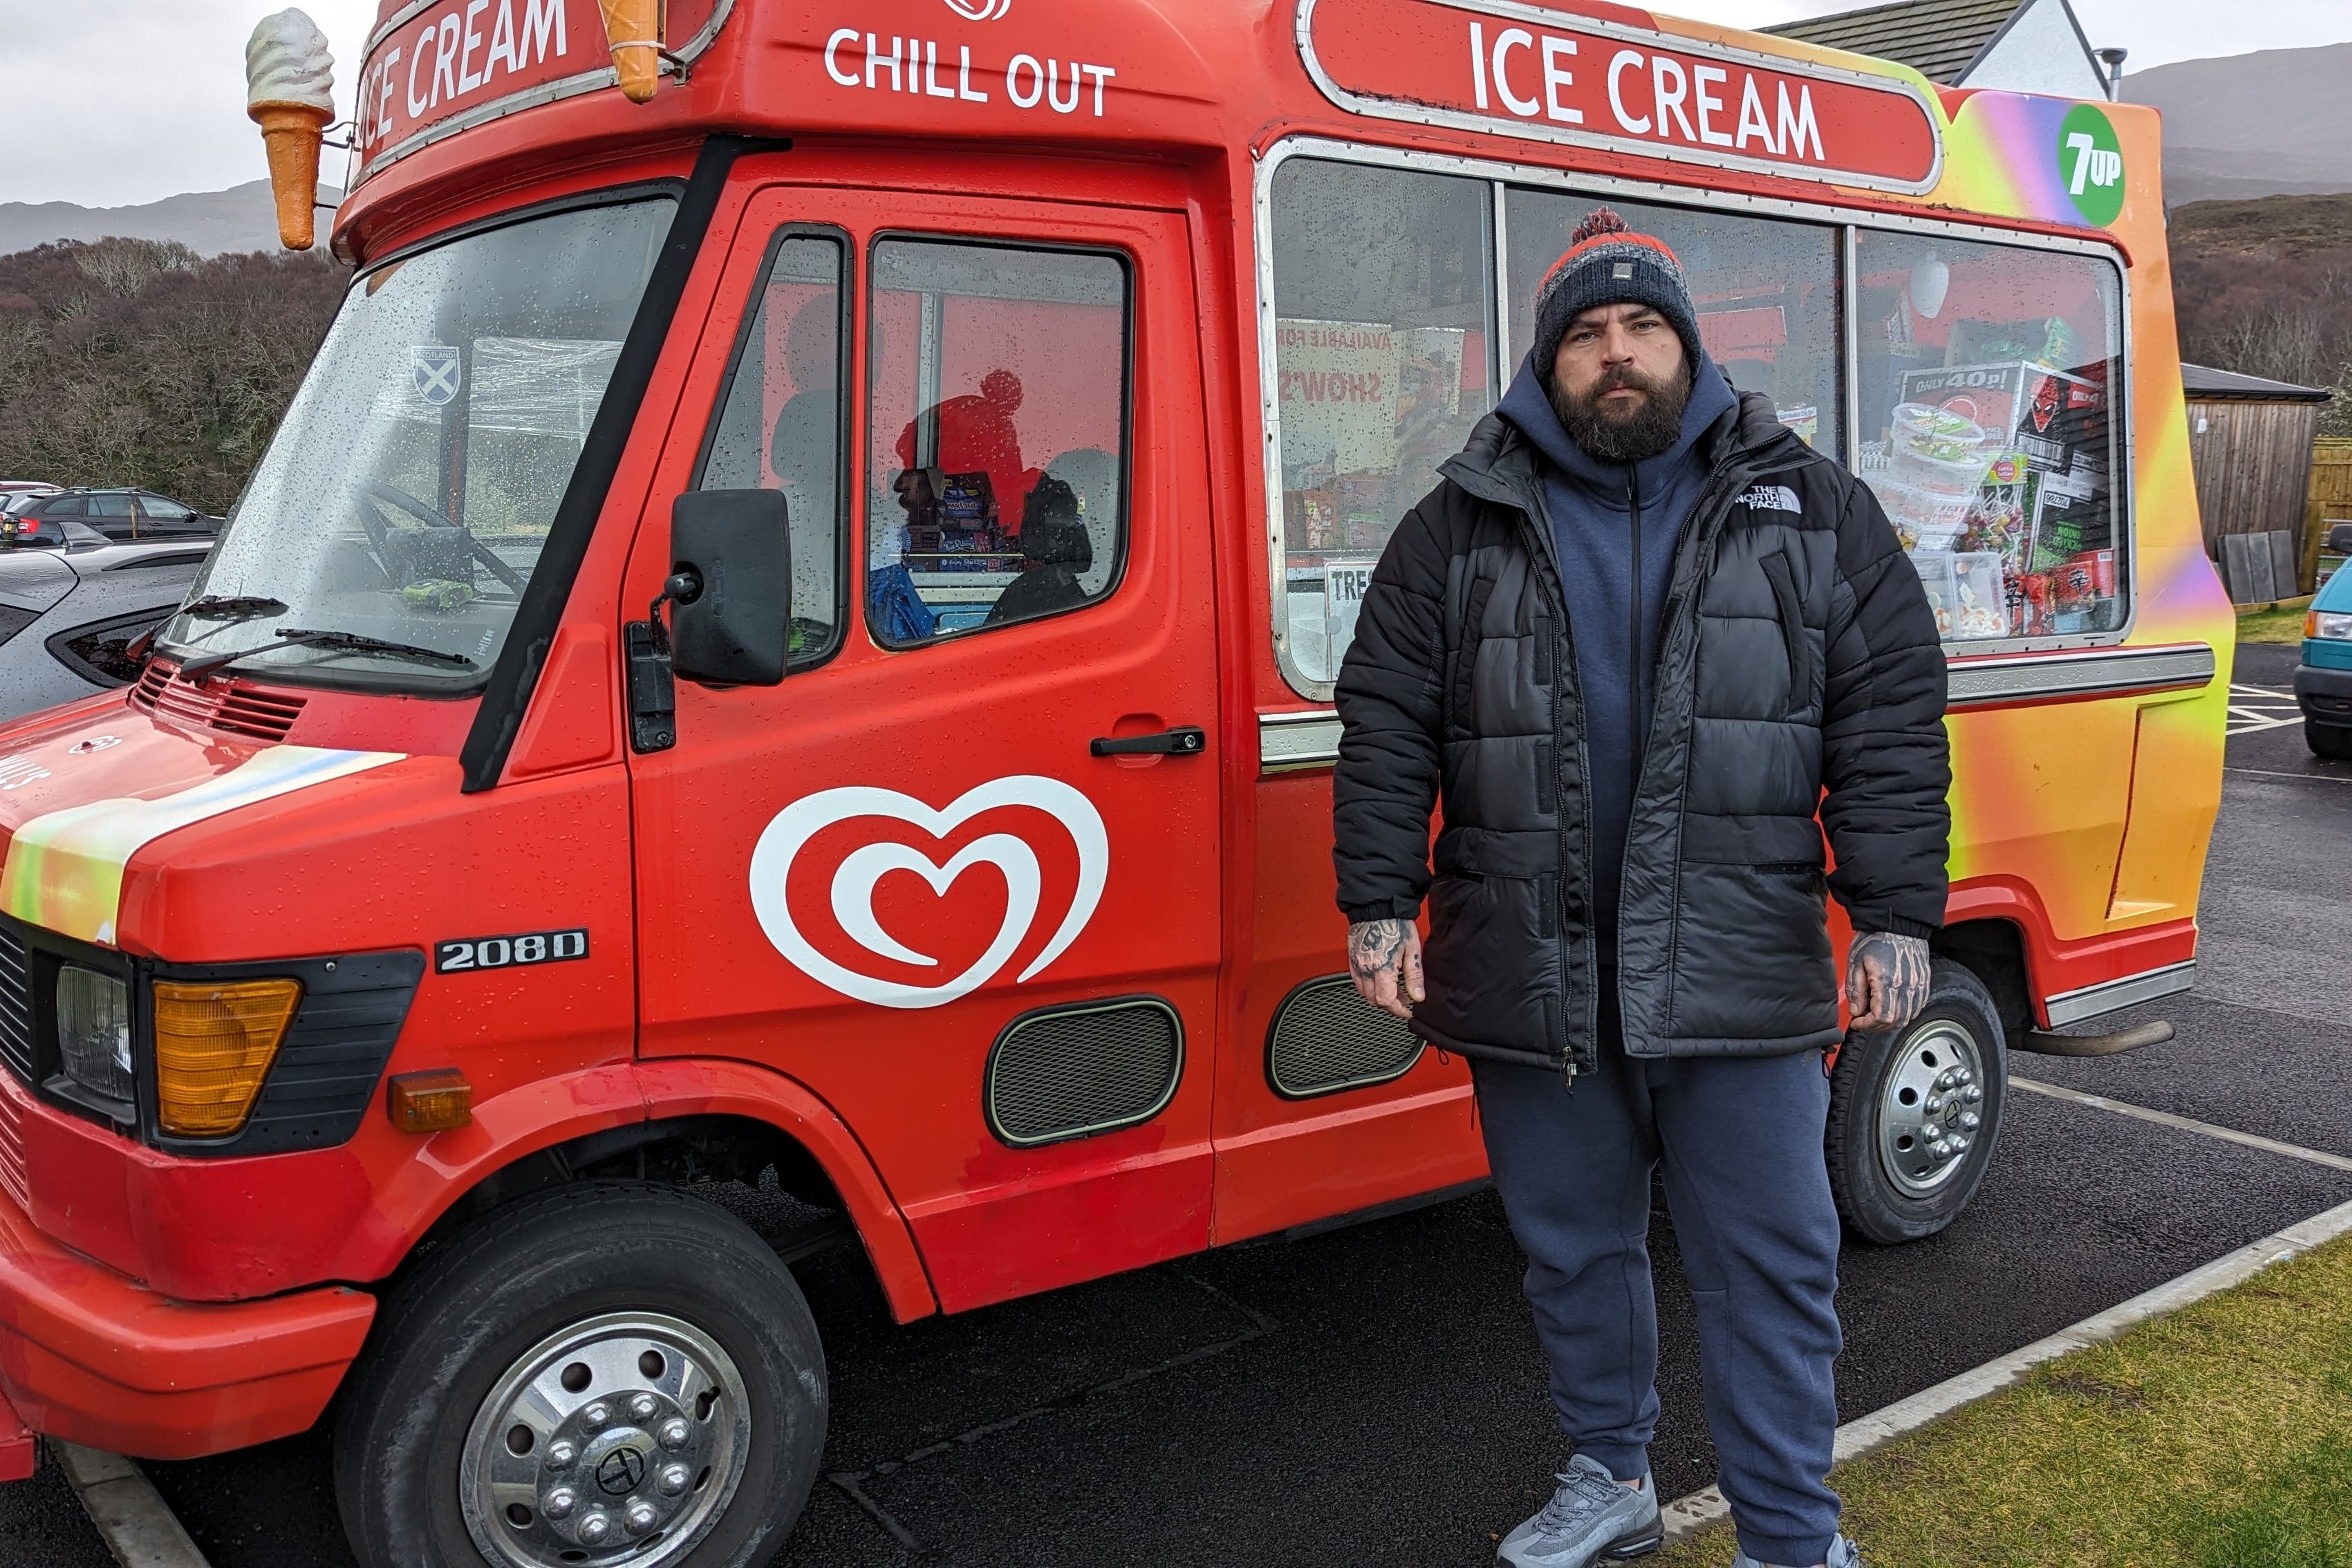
[[2001, 516], [1980, 600], [289, 92], [2001, 471], [1923, 518], [1935, 450], [2048, 414], [1935, 569]]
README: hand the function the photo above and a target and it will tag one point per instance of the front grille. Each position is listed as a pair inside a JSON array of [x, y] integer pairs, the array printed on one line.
[[1070, 1071], [11, 1151], [16, 1006], [222, 702], [1325, 1039]]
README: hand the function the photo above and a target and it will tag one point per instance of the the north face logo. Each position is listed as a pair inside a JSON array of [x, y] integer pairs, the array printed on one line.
[[1771, 498]]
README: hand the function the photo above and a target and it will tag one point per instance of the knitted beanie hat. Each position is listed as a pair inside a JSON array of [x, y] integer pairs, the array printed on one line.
[[1606, 263]]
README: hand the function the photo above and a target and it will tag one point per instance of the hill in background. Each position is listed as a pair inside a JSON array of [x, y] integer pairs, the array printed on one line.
[[137, 362], [210, 222], [2264, 288], [2277, 121]]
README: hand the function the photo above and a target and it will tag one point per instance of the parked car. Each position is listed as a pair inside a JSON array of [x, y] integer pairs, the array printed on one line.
[[27, 488], [69, 615], [118, 513], [2323, 683]]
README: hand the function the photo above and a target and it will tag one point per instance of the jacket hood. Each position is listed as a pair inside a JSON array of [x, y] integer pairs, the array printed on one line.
[[1713, 403]]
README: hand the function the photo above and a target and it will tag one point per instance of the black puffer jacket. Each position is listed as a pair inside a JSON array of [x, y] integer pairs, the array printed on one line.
[[1798, 656]]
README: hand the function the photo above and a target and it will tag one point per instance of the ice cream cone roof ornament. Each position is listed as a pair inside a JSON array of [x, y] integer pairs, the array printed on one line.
[[290, 91], [634, 30]]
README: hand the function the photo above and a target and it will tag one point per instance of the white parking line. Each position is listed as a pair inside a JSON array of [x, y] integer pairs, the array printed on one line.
[[2166, 1118], [1701, 1508], [132, 1520], [2282, 773], [2256, 708]]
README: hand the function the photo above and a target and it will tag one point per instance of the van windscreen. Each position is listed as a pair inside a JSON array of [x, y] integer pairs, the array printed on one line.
[[406, 497]]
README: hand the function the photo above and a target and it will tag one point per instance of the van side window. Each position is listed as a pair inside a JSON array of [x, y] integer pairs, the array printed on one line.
[[1991, 432], [1383, 286], [997, 436], [1766, 290], [781, 424]]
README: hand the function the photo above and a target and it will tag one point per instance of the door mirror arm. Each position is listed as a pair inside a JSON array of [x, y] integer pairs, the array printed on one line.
[[730, 594]]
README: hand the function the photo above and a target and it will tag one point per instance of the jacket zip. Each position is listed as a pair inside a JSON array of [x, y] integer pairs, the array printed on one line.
[[1633, 631]]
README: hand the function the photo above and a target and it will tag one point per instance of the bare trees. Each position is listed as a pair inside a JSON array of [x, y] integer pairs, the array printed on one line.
[[2265, 289], [137, 362]]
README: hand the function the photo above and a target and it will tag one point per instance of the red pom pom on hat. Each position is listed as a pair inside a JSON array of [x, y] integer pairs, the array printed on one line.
[[1598, 222]]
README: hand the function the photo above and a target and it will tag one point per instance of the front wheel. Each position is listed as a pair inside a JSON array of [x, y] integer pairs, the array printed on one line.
[[2327, 741], [1915, 1113], [608, 1373]]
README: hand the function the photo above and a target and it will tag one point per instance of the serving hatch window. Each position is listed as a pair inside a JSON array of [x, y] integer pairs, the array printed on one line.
[[1766, 291], [1383, 284], [997, 433], [1987, 380]]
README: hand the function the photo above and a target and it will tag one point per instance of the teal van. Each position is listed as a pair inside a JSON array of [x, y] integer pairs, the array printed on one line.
[[2323, 683]]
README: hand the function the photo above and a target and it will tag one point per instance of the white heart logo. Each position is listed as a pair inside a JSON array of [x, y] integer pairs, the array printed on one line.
[[854, 882], [980, 10]]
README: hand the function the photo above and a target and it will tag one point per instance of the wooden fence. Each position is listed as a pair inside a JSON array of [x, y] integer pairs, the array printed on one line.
[[2330, 500]]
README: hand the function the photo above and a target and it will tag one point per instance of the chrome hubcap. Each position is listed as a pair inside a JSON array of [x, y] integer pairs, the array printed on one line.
[[1932, 1106], [619, 1439]]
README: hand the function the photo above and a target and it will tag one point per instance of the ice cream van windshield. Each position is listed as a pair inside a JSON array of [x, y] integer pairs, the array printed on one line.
[[399, 512]]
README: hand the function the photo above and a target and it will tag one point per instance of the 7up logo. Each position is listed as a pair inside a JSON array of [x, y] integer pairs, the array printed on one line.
[[2091, 162]]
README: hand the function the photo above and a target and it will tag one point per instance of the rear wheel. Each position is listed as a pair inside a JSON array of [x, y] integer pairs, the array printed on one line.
[[1915, 1113], [605, 1374], [2327, 741]]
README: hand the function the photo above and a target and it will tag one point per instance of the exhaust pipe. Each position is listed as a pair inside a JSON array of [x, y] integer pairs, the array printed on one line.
[[2044, 1044]]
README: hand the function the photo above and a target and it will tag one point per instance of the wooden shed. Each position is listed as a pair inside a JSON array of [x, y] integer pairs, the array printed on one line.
[[2249, 443]]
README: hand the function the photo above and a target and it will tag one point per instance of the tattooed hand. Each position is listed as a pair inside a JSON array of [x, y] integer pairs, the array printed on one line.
[[1376, 950], [1886, 980]]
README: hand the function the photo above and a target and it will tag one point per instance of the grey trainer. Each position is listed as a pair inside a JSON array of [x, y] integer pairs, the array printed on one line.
[[1844, 1554], [1591, 1518]]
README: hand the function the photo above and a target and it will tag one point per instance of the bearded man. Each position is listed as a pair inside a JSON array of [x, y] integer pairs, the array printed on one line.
[[1645, 645]]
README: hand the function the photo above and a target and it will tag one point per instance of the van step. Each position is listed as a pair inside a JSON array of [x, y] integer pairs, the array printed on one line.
[[2048, 1045]]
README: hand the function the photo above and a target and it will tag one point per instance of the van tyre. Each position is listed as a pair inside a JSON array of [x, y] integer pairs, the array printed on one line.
[[605, 1372], [1915, 1113], [2327, 741]]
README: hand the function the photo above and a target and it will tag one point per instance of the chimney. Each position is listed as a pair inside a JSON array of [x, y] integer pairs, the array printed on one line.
[[2113, 58]]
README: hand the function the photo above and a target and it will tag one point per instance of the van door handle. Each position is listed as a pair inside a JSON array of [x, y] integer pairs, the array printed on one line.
[[1186, 740]]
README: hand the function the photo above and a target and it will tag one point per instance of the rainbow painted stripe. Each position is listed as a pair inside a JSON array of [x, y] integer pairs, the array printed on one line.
[[65, 869]]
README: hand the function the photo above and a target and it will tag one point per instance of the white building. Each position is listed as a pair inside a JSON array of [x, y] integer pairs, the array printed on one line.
[[2017, 46]]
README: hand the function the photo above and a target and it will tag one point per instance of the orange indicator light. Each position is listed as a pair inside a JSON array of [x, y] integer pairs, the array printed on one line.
[[431, 1101], [213, 1044]]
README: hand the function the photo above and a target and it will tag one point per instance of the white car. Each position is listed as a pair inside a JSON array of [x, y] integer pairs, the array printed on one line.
[[68, 613]]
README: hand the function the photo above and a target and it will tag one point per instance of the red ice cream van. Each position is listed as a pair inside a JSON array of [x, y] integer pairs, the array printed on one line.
[[788, 636]]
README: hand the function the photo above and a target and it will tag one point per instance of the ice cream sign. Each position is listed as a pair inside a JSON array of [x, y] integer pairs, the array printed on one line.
[[435, 66], [1541, 74]]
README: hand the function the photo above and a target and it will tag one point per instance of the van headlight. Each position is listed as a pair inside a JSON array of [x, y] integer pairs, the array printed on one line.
[[94, 1031], [2334, 627]]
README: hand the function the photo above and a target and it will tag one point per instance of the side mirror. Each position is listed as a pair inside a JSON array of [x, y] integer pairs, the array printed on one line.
[[731, 622]]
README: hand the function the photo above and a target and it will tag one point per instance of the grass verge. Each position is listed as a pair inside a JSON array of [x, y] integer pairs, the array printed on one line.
[[2219, 1437], [2271, 627]]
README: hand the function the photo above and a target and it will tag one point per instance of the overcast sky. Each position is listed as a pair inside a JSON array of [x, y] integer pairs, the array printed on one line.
[[116, 101]]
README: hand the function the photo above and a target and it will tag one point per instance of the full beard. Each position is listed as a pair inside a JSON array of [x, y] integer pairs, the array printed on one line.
[[1634, 437]]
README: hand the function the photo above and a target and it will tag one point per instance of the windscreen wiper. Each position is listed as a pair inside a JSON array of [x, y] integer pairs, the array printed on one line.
[[340, 642], [231, 606]]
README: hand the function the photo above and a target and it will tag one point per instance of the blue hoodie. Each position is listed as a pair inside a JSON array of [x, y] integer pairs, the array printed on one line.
[[1598, 512]]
